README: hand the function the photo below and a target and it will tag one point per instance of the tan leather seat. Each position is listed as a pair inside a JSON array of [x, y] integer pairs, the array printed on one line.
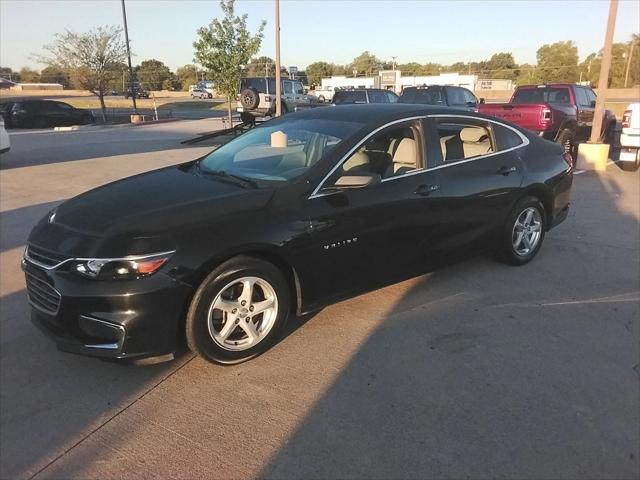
[[475, 141], [404, 158], [359, 161]]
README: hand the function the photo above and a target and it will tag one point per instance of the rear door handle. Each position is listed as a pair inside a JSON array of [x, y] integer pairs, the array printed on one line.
[[507, 170], [426, 190]]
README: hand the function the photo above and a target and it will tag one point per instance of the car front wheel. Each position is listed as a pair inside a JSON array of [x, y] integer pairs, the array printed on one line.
[[524, 231], [238, 311]]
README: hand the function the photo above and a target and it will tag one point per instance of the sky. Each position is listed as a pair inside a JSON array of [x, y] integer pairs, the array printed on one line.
[[336, 31]]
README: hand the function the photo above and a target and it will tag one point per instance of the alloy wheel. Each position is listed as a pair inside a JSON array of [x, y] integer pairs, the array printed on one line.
[[243, 313], [527, 231]]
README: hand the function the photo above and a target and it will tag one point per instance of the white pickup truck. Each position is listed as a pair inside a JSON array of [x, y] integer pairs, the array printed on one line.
[[630, 138], [323, 94]]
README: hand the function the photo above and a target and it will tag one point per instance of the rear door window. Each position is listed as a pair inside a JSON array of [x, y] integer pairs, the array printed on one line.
[[505, 137], [461, 140]]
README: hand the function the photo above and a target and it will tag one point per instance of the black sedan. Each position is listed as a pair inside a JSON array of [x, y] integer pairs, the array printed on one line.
[[43, 114], [301, 212]]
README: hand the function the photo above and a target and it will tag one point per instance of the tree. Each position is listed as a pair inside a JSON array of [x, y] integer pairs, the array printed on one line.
[[54, 74], [8, 74], [317, 70], [366, 64], [92, 58], [152, 74], [261, 67], [620, 53], [187, 75], [501, 65], [224, 47], [28, 75], [558, 62]]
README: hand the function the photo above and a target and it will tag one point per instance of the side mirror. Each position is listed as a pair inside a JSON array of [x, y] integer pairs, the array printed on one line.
[[482, 100], [348, 182]]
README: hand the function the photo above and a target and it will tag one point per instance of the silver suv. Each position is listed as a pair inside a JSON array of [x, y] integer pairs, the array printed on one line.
[[258, 94]]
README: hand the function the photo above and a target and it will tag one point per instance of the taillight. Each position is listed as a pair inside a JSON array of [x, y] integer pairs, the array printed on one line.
[[545, 115], [568, 158], [626, 119]]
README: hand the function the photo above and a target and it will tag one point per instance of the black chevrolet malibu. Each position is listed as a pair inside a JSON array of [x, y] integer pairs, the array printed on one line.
[[301, 212]]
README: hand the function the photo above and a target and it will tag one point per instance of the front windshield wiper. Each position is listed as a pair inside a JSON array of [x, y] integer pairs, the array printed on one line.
[[237, 179]]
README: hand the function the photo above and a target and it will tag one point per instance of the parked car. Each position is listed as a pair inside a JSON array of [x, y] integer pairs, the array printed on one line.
[[562, 112], [298, 213], [200, 93], [440, 96], [323, 94], [364, 95], [630, 138], [139, 93], [257, 97], [5, 143], [43, 114]]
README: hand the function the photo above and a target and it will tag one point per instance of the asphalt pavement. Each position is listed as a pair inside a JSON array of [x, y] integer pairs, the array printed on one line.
[[479, 370]]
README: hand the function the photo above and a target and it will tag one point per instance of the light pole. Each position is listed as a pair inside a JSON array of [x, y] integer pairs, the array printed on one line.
[[278, 83], [603, 81], [126, 37]]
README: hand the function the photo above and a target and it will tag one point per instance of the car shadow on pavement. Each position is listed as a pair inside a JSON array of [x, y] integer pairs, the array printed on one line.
[[17, 223], [484, 370]]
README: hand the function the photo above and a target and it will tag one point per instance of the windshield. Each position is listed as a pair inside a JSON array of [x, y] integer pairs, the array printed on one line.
[[558, 95], [297, 145], [423, 96]]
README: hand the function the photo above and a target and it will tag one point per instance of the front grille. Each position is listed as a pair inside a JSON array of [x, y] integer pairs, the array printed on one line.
[[44, 257], [42, 295]]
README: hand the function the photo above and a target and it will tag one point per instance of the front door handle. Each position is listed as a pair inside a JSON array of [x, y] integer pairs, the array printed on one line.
[[507, 170], [426, 190]]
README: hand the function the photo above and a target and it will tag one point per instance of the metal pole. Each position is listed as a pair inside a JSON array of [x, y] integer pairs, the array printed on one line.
[[126, 37], [278, 81], [626, 73], [603, 81]]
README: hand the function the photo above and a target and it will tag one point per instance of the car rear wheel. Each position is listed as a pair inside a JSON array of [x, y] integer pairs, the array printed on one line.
[[524, 231], [567, 139], [250, 98], [238, 311]]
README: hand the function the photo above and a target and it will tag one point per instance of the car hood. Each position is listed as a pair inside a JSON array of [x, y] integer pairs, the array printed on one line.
[[143, 213]]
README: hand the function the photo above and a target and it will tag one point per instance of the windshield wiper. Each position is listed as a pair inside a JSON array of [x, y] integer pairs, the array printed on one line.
[[237, 179]]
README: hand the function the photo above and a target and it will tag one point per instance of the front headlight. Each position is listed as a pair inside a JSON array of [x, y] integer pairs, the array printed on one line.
[[125, 268]]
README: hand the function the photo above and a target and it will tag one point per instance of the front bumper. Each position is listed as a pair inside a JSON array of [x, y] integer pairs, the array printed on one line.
[[133, 319]]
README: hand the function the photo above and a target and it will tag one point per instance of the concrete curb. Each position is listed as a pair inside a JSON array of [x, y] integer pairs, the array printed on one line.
[[74, 128]]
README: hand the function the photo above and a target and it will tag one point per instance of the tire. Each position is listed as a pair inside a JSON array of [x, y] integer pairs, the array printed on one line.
[[247, 118], [249, 98], [517, 252], [207, 332], [567, 138], [321, 98], [631, 167]]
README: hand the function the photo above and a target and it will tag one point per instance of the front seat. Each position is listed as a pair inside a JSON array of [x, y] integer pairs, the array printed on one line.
[[475, 141], [404, 158], [358, 162]]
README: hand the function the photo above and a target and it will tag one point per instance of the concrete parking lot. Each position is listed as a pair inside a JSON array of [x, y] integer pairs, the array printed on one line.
[[480, 370]]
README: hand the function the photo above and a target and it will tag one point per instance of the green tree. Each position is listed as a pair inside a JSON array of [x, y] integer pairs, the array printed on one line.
[[28, 75], [152, 74], [92, 58], [317, 70], [187, 75], [557, 62], [224, 47], [261, 67], [366, 64], [55, 74], [501, 65], [622, 57]]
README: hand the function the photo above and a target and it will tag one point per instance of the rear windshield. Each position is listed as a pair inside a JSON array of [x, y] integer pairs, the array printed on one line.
[[259, 84], [355, 96], [422, 96], [559, 95]]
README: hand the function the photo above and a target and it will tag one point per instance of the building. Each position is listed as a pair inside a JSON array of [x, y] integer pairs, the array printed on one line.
[[37, 86], [394, 80]]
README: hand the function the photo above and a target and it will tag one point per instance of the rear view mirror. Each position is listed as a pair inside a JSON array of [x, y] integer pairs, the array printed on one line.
[[348, 182]]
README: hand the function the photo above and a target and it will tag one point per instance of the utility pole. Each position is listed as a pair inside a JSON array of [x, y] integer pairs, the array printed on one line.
[[393, 63], [126, 37], [278, 81], [603, 81], [626, 73]]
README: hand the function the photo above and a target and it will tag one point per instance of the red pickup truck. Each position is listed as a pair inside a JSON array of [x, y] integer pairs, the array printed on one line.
[[562, 112]]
